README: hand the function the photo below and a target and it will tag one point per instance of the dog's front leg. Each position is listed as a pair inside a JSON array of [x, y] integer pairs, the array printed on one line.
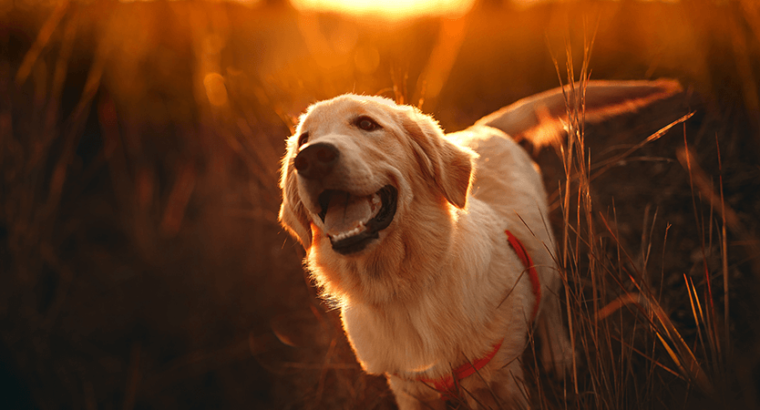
[[415, 395]]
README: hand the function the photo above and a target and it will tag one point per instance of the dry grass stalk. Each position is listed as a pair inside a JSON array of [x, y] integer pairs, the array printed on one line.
[[605, 375]]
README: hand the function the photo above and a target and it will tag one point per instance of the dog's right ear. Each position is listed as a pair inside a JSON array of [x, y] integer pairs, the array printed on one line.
[[292, 212]]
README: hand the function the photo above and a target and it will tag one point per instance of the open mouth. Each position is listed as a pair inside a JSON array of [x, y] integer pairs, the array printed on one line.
[[352, 221]]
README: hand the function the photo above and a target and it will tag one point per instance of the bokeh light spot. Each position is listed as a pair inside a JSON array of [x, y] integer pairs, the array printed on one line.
[[389, 9], [215, 89]]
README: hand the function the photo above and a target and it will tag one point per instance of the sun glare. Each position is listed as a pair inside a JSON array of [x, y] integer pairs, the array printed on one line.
[[389, 9]]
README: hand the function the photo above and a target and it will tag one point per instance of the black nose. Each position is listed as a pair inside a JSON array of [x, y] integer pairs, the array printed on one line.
[[316, 160]]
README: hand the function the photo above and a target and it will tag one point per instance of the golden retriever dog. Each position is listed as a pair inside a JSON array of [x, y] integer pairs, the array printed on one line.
[[436, 247]]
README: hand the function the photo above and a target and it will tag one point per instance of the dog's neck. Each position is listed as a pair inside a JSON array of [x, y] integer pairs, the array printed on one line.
[[417, 322]]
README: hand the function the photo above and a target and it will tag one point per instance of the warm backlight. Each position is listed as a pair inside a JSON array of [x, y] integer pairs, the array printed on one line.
[[389, 9]]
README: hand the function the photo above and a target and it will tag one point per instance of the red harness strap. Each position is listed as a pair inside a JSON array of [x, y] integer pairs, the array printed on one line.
[[522, 253], [446, 385]]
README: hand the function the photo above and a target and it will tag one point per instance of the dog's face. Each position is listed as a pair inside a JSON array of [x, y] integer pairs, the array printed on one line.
[[358, 167]]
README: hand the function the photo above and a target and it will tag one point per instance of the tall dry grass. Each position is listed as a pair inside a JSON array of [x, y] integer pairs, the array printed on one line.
[[622, 359]]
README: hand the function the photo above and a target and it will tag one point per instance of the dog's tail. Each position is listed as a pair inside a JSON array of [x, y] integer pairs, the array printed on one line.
[[541, 118]]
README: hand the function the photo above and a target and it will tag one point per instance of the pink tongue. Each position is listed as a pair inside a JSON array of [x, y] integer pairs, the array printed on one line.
[[345, 212]]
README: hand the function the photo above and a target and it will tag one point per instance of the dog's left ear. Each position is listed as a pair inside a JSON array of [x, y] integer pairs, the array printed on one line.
[[292, 212], [448, 164]]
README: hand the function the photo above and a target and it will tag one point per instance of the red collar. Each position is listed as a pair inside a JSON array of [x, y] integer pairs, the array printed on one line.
[[447, 385]]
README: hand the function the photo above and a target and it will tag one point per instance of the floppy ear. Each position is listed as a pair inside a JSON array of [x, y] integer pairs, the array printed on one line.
[[292, 213], [448, 164]]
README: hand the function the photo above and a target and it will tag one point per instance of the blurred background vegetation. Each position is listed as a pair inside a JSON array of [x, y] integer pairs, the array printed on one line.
[[141, 262]]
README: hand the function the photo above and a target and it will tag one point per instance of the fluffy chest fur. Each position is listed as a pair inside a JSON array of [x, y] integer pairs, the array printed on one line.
[[462, 310]]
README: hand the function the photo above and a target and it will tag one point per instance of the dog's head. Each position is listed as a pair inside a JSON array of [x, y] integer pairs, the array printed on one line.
[[355, 167]]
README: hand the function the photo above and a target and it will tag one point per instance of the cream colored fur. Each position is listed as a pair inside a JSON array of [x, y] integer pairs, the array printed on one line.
[[441, 285]]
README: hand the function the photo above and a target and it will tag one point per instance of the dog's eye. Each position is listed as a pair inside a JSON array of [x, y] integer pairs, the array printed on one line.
[[366, 123], [303, 139]]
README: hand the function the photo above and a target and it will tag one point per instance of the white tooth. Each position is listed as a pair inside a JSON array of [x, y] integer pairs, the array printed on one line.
[[375, 202], [352, 232]]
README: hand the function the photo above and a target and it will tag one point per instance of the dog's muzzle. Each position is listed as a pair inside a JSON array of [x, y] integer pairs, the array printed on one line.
[[351, 221]]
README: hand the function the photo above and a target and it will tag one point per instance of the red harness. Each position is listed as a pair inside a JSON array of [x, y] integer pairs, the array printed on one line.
[[522, 253], [447, 385]]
